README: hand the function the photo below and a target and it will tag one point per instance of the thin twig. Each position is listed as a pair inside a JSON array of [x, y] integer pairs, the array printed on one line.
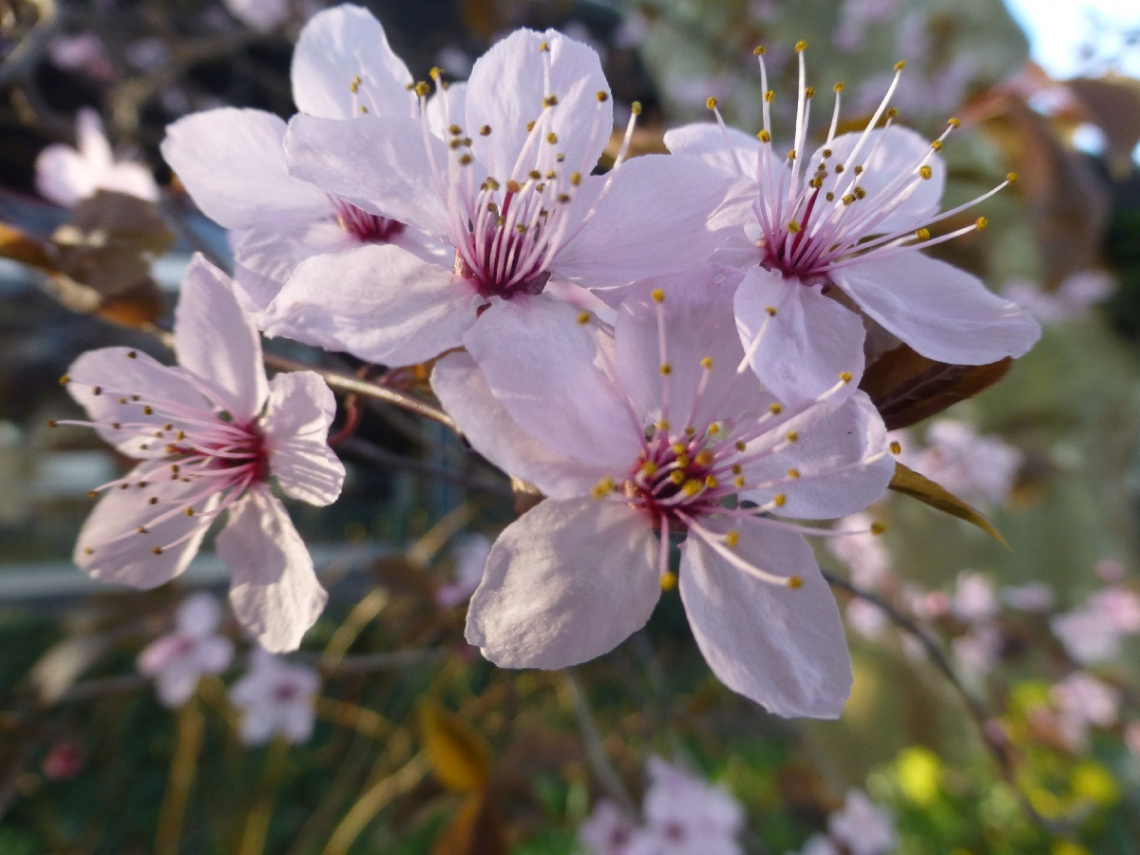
[[595, 752], [375, 454]]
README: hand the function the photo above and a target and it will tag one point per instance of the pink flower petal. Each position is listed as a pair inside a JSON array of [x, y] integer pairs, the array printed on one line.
[[942, 312], [275, 593], [296, 426], [218, 341], [565, 583], [783, 648], [706, 141]]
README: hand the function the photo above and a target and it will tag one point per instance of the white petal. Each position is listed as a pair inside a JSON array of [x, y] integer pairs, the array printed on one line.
[[62, 176], [808, 342], [199, 615], [232, 162], [336, 47], [840, 455], [378, 302], [942, 312], [887, 155], [275, 593], [462, 389], [654, 220], [134, 179], [445, 108], [565, 583], [92, 141], [506, 91], [99, 380], [120, 553], [707, 141], [784, 648], [218, 341], [547, 371], [382, 166], [301, 408]]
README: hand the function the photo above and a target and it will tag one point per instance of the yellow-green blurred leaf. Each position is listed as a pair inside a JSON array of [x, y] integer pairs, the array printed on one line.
[[459, 756], [917, 486]]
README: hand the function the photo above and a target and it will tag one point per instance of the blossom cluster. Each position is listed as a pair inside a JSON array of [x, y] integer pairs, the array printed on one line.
[[669, 351]]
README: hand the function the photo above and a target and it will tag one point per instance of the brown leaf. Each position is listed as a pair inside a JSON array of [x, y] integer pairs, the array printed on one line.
[[22, 247], [476, 829], [917, 486], [907, 388], [458, 754], [526, 495]]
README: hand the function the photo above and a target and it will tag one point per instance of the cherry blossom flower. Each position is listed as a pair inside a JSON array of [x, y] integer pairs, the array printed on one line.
[[819, 844], [1093, 632], [177, 660], [275, 698], [979, 650], [1030, 597], [470, 556], [861, 549], [973, 466], [67, 175], [685, 815], [845, 223], [607, 830], [862, 826], [261, 15], [510, 190], [1072, 299], [661, 430], [211, 432], [974, 597], [232, 161], [1083, 701]]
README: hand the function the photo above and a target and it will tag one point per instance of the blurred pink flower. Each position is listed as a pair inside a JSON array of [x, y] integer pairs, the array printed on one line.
[[261, 15], [1083, 701], [974, 599], [685, 815], [862, 551], [211, 433], [177, 660], [1030, 597], [641, 436], [607, 830], [275, 698], [470, 556], [847, 219], [1071, 300], [66, 175], [862, 826], [973, 466]]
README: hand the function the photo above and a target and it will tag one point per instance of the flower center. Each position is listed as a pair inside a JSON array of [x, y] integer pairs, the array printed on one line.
[[365, 227], [677, 475]]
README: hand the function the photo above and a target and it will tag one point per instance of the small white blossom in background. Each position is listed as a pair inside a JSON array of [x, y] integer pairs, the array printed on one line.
[[67, 175], [979, 649], [1030, 597], [684, 815], [1083, 701], [1072, 300], [862, 551], [1093, 632], [178, 660], [860, 827], [470, 556], [275, 698], [974, 598], [260, 15], [974, 467], [866, 618]]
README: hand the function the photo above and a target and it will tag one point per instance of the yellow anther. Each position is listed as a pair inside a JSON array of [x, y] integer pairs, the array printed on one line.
[[465, 160], [775, 408], [492, 184], [520, 229], [923, 234], [602, 97], [779, 500], [666, 369], [795, 582], [513, 186], [354, 85], [530, 126], [552, 138], [92, 494], [679, 448], [690, 431], [793, 227], [147, 410], [544, 47], [423, 89], [877, 528], [658, 295], [801, 46], [704, 457], [52, 423], [770, 96], [953, 122], [132, 354], [791, 154], [771, 310], [64, 380], [649, 468], [860, 193], [926, 172], [157, 550], [793, 473], [436, 73], [936, 145], [714, 429], [837, 88], [737, 469], [635, 108], [845, 376], [764, 137], [550, 100], [858, 170], [839, 167], [181, 435], [663, 425], [602, 488], [153, 500], [732, 538], [189, 512], [900, 65], [759, 50], [710, 102], [896, 448], [96, 390], [809, 92], [87, 550], [1011, 178], [739, 482], [848, 199], [583, 317], [707, 363], [575, 178], [981, 223], [740, 446], [677, 477], [668, 580], [485, 130], [683, 461], [711, 482], [792, 436]]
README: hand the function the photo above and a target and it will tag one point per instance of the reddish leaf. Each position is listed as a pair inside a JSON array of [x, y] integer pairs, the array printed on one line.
[[907, 388]]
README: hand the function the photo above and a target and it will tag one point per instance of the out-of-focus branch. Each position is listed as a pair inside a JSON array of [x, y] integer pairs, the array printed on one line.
[[381, 456]]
